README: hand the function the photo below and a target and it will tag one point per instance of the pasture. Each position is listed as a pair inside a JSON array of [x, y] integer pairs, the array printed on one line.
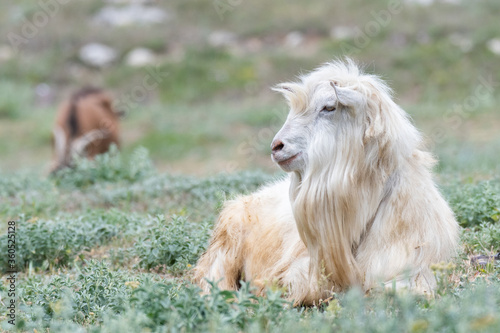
[[110, 245]]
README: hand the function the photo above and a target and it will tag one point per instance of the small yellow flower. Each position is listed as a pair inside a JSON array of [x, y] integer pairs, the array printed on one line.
[[333, 307], [419, 325], [132, 284], [442, 267]]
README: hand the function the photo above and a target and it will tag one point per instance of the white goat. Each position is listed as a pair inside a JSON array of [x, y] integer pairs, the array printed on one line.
[[359, 208]]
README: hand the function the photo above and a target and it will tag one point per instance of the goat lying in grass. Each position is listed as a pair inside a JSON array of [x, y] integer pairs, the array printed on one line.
[[359, 208]]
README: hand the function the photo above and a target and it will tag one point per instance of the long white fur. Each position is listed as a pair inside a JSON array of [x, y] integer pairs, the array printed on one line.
[[361, 206]]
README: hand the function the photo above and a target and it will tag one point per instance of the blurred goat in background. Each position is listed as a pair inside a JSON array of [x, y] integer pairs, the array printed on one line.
[[86, 125]]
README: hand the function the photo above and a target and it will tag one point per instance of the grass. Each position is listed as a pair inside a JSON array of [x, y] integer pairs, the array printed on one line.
[[120, 259], [109, 246]]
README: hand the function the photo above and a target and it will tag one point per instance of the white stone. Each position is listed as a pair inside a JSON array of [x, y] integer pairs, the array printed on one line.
[[421, 2], [140, 57], [294, 39], [342, 32], [221, 38], [494, 46], [130, 15], [121, 2], [98, 55], [6, 53]]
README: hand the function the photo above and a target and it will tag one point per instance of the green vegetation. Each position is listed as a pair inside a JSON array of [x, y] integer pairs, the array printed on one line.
[[108, 167], [476, 203], [109, 245], [113, 263], [166, 305], [173, 246]]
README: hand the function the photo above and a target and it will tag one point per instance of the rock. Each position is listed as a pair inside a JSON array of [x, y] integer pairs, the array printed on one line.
[[294, 39], [222, 38], [6, 53], [342, 32], [97, 55], [494, 46], [130, 15], [421, 2], [427, 3], [140, 57], [127, 2]]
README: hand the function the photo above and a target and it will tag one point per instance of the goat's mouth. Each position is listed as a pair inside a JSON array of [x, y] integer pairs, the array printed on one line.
[[287, 161]]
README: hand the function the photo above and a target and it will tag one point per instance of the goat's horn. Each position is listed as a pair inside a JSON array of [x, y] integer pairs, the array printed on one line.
[[78, 146], [59, 144], [334, 86]]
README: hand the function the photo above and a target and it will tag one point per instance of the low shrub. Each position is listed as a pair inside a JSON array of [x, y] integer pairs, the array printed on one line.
[[474, 204], [53, 243], [172, 246], [86, 299], [108, 167], [140, 303], [484, 238]]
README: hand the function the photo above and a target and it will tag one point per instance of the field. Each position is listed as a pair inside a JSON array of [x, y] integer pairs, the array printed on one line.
[[110, 245]]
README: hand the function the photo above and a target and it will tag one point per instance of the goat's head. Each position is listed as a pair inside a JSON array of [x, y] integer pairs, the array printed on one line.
[[337, 115]]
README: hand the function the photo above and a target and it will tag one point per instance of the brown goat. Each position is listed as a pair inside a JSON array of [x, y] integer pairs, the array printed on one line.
[[86, 125]]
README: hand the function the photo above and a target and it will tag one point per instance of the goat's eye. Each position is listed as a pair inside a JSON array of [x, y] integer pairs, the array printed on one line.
[[328, 108]]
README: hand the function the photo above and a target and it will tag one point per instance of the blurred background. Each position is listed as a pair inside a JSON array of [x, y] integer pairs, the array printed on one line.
[[193, 76]]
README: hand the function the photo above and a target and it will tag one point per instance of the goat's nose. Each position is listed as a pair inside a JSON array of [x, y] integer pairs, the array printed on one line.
[[277, 145]]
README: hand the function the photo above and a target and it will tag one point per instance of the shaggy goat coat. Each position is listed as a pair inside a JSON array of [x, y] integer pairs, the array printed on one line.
[[86, 125], [359, 208]]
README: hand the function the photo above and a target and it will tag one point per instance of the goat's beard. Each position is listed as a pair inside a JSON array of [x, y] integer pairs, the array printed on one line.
[[332, 202]]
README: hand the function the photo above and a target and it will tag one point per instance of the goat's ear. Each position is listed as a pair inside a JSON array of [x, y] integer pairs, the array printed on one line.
[[120, 113], [287, 88], [350, 97], [293, 93], [107, 101], [370, 108]]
